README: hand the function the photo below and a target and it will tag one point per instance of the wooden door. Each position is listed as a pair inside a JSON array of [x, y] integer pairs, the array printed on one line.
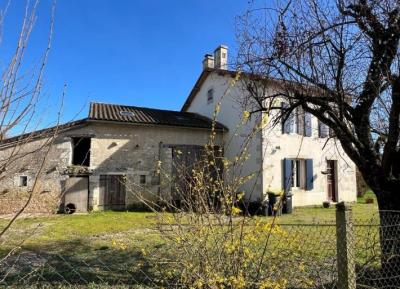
[[76, 193], [112, 192], [185, 159], [331, 180]]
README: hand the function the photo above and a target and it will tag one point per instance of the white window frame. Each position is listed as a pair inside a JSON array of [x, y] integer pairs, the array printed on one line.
[[299, 174]]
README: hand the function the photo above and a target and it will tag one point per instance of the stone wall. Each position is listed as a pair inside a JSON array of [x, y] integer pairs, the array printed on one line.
[[124, 149]]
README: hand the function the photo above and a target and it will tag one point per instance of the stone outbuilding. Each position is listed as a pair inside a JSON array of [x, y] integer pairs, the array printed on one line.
[[92, 161]]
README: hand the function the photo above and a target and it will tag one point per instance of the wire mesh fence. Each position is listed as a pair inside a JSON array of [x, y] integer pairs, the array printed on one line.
[[348, 253]]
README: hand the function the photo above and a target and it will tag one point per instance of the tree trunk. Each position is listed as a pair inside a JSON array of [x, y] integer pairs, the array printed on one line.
[[389, 213]]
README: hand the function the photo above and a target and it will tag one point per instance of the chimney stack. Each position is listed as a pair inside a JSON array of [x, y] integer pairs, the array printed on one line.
[[221, 57], [208, 61]]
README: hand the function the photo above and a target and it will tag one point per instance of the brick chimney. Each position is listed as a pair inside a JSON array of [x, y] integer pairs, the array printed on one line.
[[208, 61], [221, 57]]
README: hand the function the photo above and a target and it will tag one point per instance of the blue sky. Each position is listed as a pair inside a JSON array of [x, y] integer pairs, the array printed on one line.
[[144, 53]]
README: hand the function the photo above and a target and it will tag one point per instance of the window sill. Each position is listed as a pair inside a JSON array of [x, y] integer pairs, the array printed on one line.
[[298, 189], [78, 170]]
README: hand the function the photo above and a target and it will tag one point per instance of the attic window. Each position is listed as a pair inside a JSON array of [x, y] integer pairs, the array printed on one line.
[[126, 113], [210, 96]]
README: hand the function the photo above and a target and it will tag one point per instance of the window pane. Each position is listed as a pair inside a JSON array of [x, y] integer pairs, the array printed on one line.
[[210, 96], [293, 176], [298, 173]]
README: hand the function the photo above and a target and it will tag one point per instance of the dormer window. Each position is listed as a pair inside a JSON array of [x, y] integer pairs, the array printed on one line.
[[210, 96]]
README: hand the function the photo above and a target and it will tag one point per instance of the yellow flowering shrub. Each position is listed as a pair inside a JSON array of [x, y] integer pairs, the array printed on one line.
[[210, 242]]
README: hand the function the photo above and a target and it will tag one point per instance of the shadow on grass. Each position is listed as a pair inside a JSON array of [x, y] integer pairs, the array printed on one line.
[[76, 265]]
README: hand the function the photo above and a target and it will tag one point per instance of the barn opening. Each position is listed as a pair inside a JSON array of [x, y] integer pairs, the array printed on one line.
[[81, 151], [186, 161], [76, 195]]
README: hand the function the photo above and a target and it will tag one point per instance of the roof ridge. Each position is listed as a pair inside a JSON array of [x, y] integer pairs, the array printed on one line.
[[140, 107]]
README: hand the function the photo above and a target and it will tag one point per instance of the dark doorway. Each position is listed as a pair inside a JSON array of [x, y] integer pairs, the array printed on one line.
[[81, 151], [112, 192], [331, 180]]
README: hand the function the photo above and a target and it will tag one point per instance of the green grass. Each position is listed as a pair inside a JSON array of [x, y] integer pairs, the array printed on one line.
[[137, 227], [368, 195], [45, 231], [115, 241], [99, 248], [362, 213]]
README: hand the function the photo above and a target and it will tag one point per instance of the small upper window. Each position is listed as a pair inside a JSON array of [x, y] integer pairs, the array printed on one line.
[[23, 181], [81, 151], [143, 179], [210, 96], [126, 113], [323, 130]]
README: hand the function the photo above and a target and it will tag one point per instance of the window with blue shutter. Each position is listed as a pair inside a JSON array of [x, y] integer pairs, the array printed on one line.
[[297, 173], [309, 175], [287, 125], [308, 126], [299, 121], [287, 174], [323, 130]]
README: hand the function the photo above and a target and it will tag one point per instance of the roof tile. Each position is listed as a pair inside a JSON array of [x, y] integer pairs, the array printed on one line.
[[149, 116]]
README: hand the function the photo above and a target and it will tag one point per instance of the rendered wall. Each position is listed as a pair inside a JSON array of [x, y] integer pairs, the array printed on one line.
[[269, 148]]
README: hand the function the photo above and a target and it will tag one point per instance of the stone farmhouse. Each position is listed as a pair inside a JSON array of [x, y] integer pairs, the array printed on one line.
[[90, 160]]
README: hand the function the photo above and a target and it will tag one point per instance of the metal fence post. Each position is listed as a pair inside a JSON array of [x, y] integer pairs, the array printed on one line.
[[345, 247]]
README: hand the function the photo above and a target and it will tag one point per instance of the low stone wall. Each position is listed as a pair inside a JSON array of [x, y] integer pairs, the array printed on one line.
[[11, 201]]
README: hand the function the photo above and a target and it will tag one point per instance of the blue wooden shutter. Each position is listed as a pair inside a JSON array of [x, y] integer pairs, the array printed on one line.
[[309, 175], [286, 125], [287, 174], [323, 129], [307, 123]]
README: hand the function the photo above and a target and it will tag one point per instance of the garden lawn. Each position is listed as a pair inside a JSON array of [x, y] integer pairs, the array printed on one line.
[[100, 248], [362, 213], [106, 247], [137, 228], [127, 229], [82, 232]]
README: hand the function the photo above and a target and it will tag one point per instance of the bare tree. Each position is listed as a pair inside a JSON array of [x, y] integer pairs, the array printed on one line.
[[20, 91], [339, 61]]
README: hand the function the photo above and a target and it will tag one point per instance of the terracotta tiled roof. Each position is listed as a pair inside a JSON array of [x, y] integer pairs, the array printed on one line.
[[123, 114], [148, 116]]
